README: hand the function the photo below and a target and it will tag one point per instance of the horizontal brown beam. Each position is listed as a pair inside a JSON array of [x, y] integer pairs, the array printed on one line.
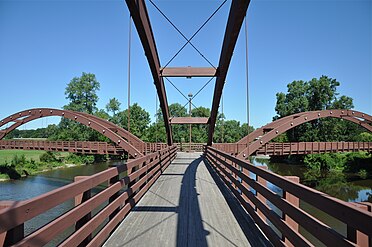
[[188, 72], [189, 120]]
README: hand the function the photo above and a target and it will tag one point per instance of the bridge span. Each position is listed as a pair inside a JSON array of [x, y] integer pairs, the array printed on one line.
[[271, 148], [167, 198]]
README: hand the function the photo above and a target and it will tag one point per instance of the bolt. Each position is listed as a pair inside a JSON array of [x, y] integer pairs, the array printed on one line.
[[88, 123], [20, 114], [51, 111], [243, 155], [118, 141], [29, 112], [11, 117], [103, 131], [63, 113], [261, 142], [353, 113], [277, 132], [291, 124], [318, 114], [331, 112], [40, 111], [342, 112], [305, 118]]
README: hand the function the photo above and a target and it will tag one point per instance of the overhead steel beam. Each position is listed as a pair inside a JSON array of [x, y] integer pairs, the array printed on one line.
[[138, 11], [188, 72], [238, 10], [189, 120]]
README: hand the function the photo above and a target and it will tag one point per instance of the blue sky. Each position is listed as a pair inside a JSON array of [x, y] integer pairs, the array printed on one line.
[[44, 44]]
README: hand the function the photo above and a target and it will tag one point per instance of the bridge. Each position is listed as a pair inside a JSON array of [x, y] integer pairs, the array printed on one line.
[[161, 196], [271, 148]]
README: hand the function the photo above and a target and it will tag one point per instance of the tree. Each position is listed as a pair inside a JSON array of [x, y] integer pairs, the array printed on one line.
[[81, 92], [113, 106], [139, 120], [316, 94]]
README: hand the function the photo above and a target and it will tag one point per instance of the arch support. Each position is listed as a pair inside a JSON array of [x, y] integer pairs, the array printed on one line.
[[270, 131], [102, 126]]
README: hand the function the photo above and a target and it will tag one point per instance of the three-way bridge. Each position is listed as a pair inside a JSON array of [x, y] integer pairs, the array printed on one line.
[[163, 197]]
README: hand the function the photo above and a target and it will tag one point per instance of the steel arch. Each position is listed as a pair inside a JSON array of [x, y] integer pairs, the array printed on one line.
[[102, 126], [282, 125]]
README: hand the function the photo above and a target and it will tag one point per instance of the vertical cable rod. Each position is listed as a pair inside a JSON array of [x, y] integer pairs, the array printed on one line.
[[129, 49], [247, 81]]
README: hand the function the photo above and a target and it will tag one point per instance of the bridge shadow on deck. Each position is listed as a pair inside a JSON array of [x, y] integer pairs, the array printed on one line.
[[186, 221]]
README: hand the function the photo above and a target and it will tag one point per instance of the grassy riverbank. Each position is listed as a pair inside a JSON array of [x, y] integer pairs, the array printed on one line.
[[17, 163]]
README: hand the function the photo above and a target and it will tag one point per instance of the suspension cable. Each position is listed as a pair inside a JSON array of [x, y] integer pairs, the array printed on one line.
[[247, 81], [178, 90], [203, 87], [129, 50], [188, 41]]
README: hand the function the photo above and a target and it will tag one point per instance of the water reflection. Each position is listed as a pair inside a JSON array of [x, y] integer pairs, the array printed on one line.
[[346, 187]]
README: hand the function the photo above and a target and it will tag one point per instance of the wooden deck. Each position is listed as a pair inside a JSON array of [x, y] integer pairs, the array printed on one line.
[[186, 207]]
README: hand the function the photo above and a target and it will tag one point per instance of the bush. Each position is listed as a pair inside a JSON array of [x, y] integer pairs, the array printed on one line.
[[325, 162], [48, 157]]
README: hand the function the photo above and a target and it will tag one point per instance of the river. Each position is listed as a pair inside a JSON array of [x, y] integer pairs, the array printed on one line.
[[349, 188]]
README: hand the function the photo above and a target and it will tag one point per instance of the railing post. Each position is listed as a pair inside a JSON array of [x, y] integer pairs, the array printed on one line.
[[85, 219], [295, 201], [263, 182], [358, 237], [112, 198], [13, 235]]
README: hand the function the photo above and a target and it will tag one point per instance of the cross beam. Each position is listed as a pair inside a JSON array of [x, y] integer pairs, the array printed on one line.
[[238, 10], [189, 120], [138, 11], [188, 72]]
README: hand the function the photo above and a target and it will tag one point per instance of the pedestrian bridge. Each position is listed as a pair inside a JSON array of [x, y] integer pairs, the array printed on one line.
[[185, 199]]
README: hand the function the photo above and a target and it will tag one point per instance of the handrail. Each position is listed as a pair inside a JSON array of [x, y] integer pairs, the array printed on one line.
[[141, 173], [235, 173]]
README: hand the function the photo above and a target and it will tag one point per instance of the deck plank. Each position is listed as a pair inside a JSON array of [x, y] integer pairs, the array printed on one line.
[[184, 207]]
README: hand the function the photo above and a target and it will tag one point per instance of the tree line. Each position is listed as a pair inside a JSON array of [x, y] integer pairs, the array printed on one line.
[[82, 96], [316, 94]]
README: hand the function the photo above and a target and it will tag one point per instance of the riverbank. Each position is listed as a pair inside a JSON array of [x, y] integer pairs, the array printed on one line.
[[15, 164]]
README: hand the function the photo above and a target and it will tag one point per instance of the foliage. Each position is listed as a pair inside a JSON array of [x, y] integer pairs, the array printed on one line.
[[363, 137], [81, 92], [325, 162], [48, 157], [79, 159], [139, 120], [363, 174], [113, 106], [316, 94]]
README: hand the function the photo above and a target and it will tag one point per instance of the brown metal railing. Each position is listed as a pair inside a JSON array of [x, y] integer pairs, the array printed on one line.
[[288, 148], [83, 147], [237, 175], [116, 200]]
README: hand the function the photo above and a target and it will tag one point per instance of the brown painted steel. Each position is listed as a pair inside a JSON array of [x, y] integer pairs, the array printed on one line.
[[141, 20], [23, 117], [237, 13], [189, 120], [148, 169], [188, 72], [353, 217], [360, 118]]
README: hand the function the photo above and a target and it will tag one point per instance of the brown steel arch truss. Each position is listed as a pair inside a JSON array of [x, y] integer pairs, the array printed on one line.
[[263, 135], [122, 138]]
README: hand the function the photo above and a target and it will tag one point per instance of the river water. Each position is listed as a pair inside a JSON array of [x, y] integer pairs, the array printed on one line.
[[349, 188]]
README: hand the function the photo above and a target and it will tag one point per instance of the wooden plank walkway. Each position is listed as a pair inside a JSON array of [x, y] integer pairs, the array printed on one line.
[[185, 207]]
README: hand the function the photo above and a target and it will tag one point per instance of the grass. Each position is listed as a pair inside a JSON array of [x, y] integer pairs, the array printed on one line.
[[7, 155]]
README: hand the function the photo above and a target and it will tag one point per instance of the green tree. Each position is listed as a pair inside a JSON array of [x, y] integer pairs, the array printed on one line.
[[139, 120], [316, 94], [81, 92], [82, 95], [113, 106]]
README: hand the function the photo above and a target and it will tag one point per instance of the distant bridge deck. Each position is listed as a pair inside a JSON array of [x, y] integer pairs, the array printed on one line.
[[271, 148], [185, 207]]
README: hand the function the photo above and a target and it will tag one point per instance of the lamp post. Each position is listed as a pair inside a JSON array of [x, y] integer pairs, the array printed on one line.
[[190, 98]]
